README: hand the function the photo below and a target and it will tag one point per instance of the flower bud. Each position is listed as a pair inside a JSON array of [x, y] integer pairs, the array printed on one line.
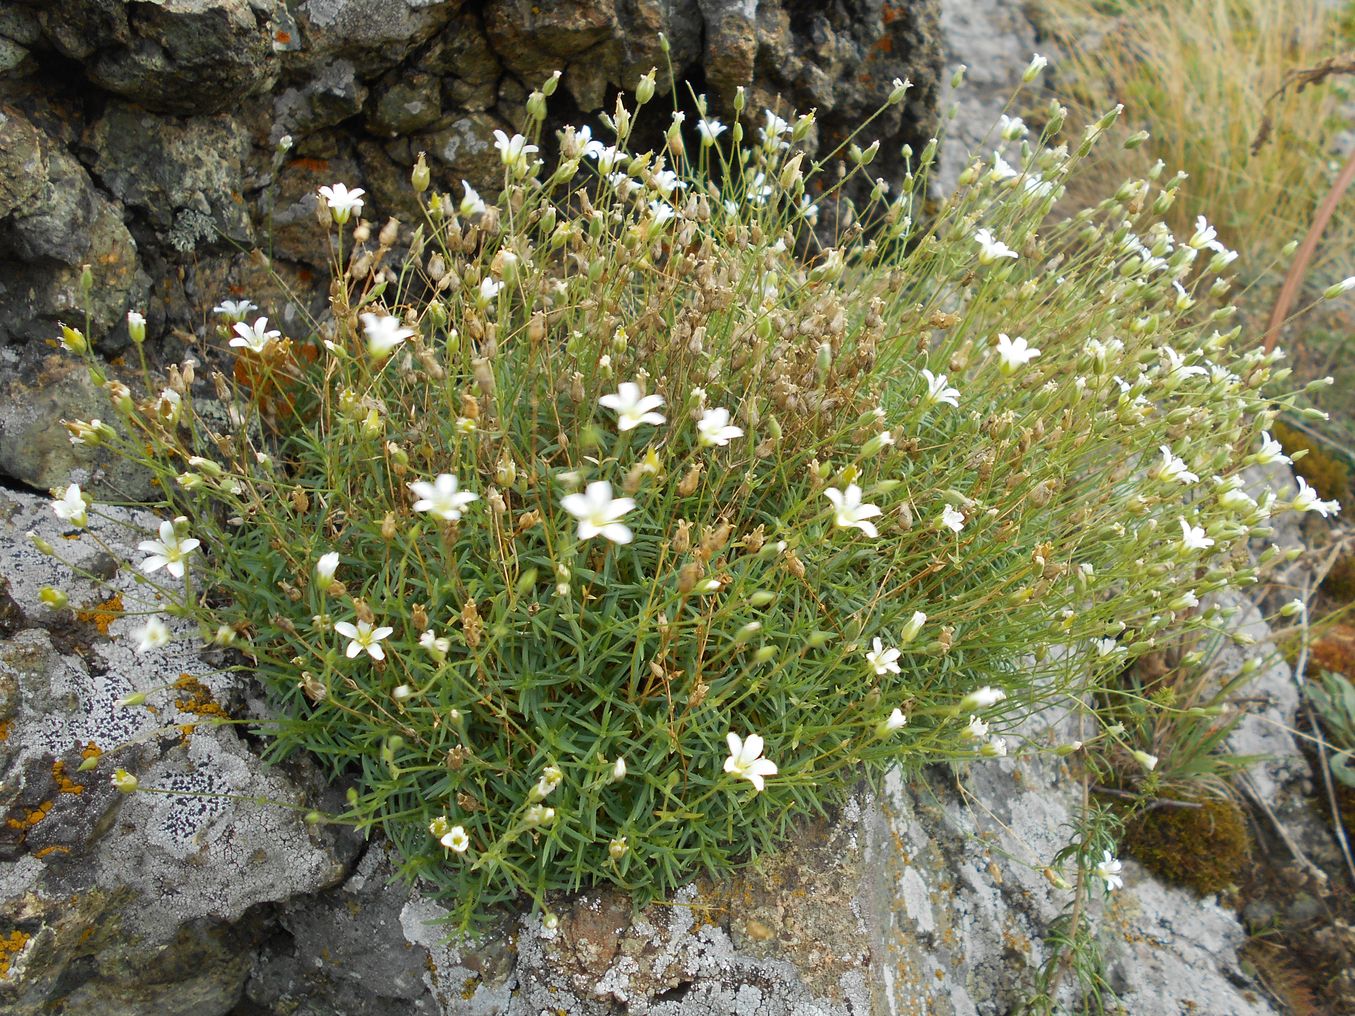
[[1033, 69], [644, 89], [136, 327], [54, 599]]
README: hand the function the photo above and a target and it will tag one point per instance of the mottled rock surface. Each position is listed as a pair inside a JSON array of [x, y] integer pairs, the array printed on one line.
[[140, 138]]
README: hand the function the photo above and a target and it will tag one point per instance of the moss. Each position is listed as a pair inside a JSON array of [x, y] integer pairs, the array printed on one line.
[[1202, 848], [1329, 476], [1334, 649]]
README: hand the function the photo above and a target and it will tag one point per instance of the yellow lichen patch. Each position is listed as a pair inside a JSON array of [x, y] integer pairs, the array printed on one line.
[[64, 784], [186, 731], [91, 750], [4, 730], [55, 848], [102, 615], [10, 947], [196, 698]]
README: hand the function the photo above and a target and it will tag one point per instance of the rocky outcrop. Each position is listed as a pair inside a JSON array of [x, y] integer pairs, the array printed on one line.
[[141, 138]]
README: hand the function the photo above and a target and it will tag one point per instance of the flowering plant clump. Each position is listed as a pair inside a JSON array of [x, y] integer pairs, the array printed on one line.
[[632, 514]]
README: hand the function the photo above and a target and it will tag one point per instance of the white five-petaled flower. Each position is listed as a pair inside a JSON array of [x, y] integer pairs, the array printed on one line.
[[363, 638], [599, 513], [152, 635], [745, 759], [1271, 451], [994, 747], [896, 721], [255, 337], [70, 506], [938, 391], [1306, 500], [489, 289], [471, 204], [1194, 537], [991, 249], [1174, 468], [850, 512], [514, 152], [982, 698], [632, 407], [384, 332], [976, 729], [952, 518], [455, 839], [441, 497], [234, 310], [1204, 235], [327, 565], [342, 201], [436, 647], [709, 130], [882, 661], [714, 428], [1013, 354], [1108, 871], [168, 552]]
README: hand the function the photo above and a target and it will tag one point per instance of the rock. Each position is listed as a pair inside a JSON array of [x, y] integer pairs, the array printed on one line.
[[330, 96], [131, 905], [406, 103], [58, 221], [374, 35], [40, 389], [994, 39], [183, 56], [198, 170]]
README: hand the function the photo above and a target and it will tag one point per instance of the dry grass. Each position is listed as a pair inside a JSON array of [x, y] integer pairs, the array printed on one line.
[[1198, 74]]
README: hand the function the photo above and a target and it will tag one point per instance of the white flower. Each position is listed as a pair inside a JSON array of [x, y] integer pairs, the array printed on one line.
[[363, 638], [599, 514], [745, 759], [435, 646], [168, 552], [714, 428], [1306, 500], [455, 839], [1001, 170], [1204, 236], [1011, 128], [384, 332], [441, 497], [327, 565], [471, 204], [551, 777], [952, 518], [632, 408], [342, 201], [883, 661], [1032, 71], [152, 635], [662, 211], [538, 815], [489, 289], [709, 130], [896, 721], [976, 729], [70, 506], [982, 698], [1271, 451], [771, 134], [938, 391], [136, 326], [849, 512], [234, 310], [990, 249], [1108, 871], [994, 747], [1107, 647], [1013, 353], [1194, 538], [1173, 468], [514, 151], [618, 770], [255, 337]]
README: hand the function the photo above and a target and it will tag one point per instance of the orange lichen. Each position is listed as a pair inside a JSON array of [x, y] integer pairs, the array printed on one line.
[[196, 698], [10, 947], [91, 750], [64, 784], [31, 819], [102, 615], [4, 729], [55, 848]]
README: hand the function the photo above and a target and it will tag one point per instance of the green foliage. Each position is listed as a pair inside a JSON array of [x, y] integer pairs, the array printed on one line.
[[1333, 696], [1019, 538]]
